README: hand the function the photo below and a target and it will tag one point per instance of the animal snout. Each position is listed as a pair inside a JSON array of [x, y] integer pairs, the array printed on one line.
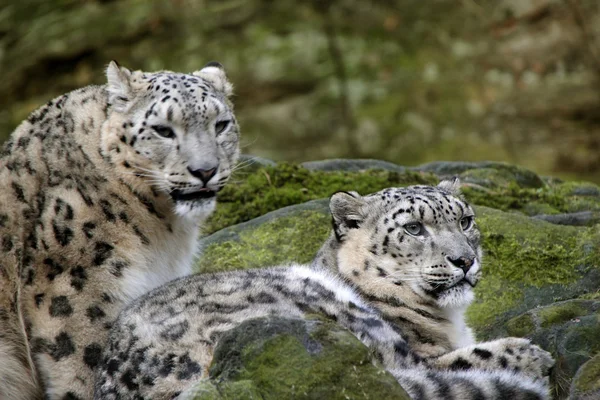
[[464, 263], [203, 174]]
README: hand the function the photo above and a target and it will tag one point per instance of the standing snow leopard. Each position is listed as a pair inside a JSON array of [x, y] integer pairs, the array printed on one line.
[[103, 191], [397, 271]]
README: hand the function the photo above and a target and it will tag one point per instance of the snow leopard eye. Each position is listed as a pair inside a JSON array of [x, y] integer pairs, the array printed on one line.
[[164, 131], [414, 228], [466, 223], [221, 126]]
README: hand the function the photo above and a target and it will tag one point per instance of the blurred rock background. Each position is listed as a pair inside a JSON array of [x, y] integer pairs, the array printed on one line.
[[408, 81]]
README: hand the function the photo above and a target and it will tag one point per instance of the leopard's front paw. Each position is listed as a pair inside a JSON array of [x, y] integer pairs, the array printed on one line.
[[520, 355]]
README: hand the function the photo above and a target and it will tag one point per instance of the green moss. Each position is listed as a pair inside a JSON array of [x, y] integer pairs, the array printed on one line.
[[530, 251], [208, 390], [294, 238], [493, 298], [498, 175], [550, 199], [588, 377], [520, 326], [271, 188], [203, 390], [240, 390], [521, 253], [584, 339], [590, 296], [313, 360], [560, 313]]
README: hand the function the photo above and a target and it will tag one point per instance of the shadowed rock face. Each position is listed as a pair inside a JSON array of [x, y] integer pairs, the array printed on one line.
[[541, 263]]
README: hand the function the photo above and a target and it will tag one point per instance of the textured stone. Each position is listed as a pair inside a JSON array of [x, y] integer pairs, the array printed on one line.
[[279, 358]]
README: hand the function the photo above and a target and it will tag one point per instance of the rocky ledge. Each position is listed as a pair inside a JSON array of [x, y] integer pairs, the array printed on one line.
[[541, 240]]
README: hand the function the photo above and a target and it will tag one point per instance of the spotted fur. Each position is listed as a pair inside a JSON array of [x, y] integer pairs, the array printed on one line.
[[399, 289], [102, 192]]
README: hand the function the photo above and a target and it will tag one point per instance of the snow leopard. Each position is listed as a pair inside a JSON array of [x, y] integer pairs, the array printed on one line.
[[103, 192], [398, 271]]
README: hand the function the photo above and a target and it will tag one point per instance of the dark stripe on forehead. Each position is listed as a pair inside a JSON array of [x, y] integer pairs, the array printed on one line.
[[462, 209]]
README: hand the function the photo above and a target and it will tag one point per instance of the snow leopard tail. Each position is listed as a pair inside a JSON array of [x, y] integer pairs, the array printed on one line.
[[427, 384]]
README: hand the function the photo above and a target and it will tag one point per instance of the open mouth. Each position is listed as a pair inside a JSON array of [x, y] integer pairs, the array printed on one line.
[[201, 194]]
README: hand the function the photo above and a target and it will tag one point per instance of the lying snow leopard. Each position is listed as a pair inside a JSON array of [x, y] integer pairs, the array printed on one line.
[[103, 190], [397, 271]]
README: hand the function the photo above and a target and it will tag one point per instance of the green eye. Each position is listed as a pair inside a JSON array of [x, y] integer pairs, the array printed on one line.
[[466, 223], [414, 228], [221, 126], [164, 131]]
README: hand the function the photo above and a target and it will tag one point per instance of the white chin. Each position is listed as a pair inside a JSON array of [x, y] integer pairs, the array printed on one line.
[[196, 209], [456, 297]]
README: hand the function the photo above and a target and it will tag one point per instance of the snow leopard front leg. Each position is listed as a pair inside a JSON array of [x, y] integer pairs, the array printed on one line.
[[509, 354]]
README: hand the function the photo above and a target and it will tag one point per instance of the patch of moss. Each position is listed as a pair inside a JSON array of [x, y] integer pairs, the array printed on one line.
[[588, 377], [590, 296], [560, 313], [502, 175], [520, 326], [584, 339], [296, 238], [311, 359], [549, 199], [521, 253], [530, 251], [210, 390], [273, 187], [493, 298], [240, 390]]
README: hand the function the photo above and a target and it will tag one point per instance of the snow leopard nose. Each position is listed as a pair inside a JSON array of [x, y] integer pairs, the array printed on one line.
[[463, 263], [204, 175]]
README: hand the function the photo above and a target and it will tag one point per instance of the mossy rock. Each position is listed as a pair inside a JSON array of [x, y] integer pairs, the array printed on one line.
[[291, 234], [279, 358], [586, 384], [530, 263], [485, 173], [350, 165]]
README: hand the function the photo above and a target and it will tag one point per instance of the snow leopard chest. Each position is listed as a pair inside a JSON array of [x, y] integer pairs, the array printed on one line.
[[169, 256]]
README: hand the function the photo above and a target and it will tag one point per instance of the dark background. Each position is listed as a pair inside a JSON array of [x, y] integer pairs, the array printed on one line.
[[409, 81]]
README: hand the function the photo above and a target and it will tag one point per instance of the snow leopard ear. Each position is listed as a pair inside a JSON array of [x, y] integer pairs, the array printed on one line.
[[451, 185], [214, 73], [119, 87], [346, 210]]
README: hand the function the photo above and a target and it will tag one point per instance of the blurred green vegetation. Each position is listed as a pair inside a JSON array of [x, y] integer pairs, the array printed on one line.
[[408, 81]]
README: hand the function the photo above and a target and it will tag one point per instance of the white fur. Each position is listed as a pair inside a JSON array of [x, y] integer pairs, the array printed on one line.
[[216, 76], [118, 86], [193, 210], [460, 335], [170, 259]]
